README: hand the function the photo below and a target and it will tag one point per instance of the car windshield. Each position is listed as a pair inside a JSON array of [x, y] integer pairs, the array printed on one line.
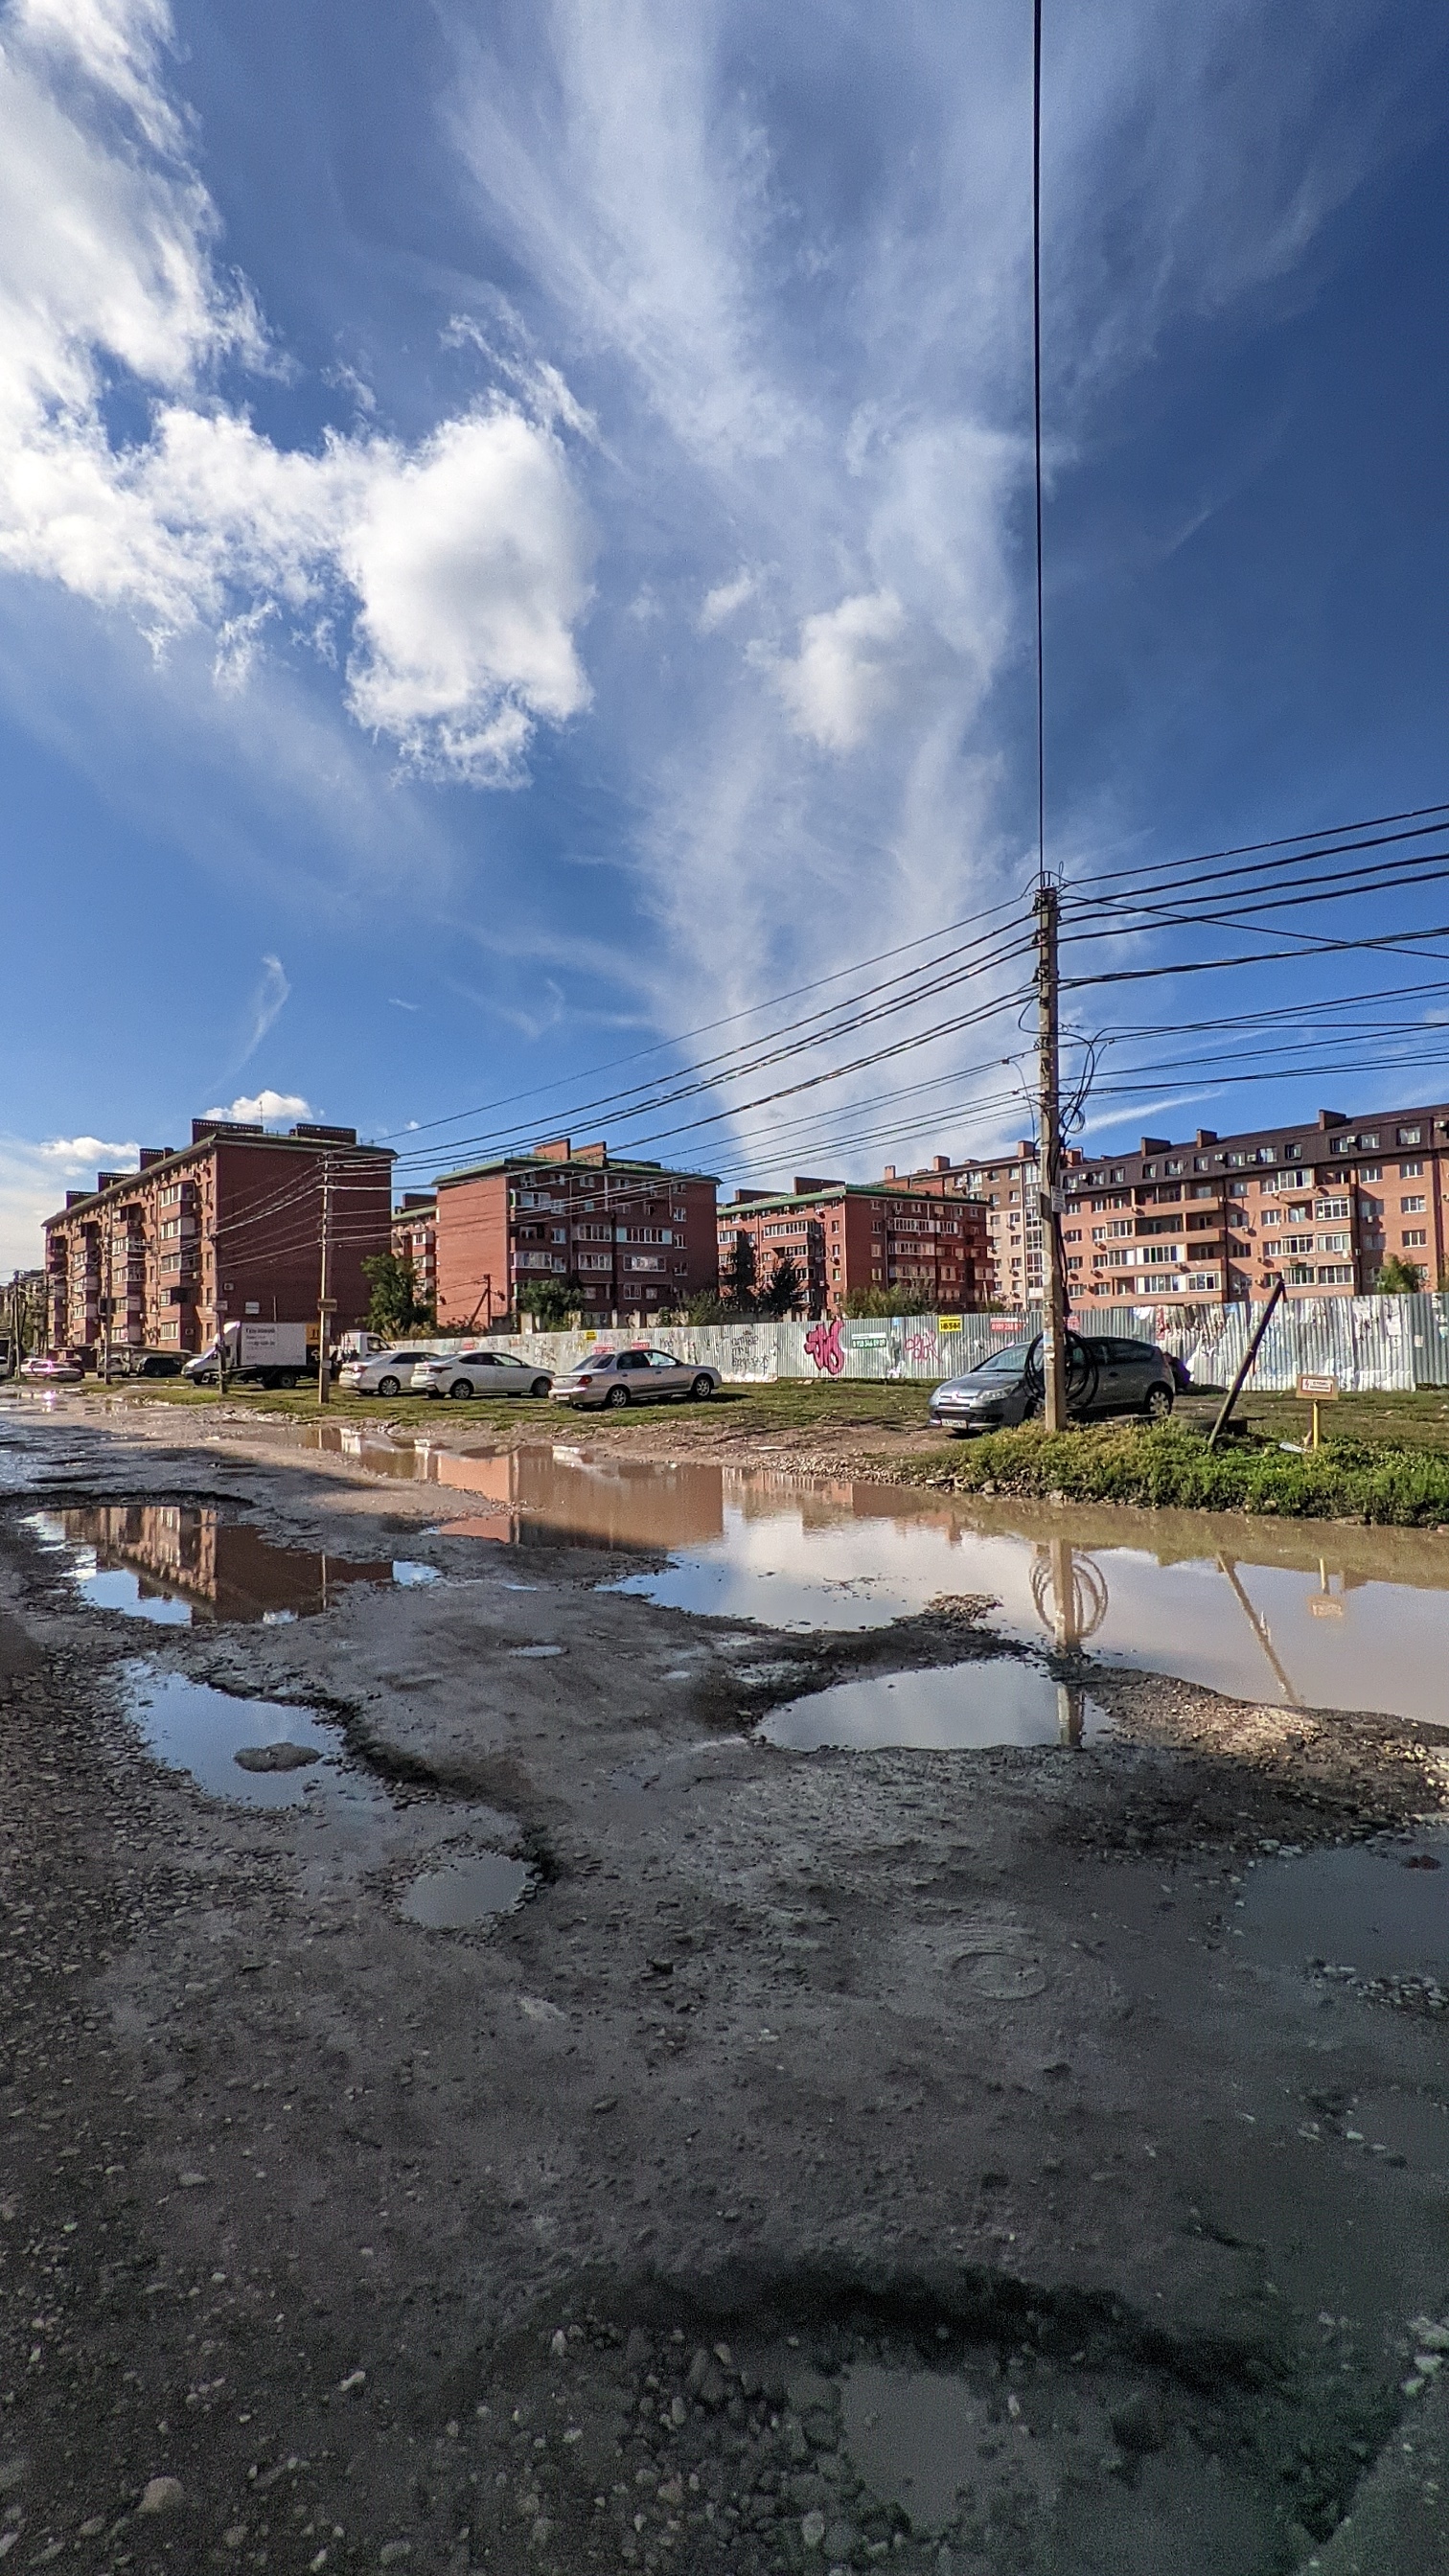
[[1007, 1363]]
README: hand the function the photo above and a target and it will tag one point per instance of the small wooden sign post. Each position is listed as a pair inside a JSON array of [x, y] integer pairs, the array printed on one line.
[[1316, 1391]]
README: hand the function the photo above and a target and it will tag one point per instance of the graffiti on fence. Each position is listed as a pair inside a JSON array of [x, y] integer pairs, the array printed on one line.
[[822, 1345], [919, 1349]]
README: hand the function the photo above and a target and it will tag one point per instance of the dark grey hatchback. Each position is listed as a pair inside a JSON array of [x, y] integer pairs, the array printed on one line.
[[1103, 1376]]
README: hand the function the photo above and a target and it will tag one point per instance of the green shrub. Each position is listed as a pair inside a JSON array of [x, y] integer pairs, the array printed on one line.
[[1167, 1467]]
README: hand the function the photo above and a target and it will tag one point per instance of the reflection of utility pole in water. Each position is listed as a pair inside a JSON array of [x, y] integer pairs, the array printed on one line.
[[1260, 1628], [1071, 1602]]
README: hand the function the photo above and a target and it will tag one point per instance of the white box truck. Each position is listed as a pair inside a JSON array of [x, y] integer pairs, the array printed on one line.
[[258, 1355]]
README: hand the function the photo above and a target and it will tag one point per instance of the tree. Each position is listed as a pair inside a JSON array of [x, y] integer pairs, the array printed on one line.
[[396, 1307], [1399, 1278], [704, 1307], [786, 1289], [883, 1301], [737, 1279], [550, 1301]]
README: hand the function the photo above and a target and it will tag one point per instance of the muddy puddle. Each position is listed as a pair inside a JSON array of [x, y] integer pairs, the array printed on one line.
[[1374, 1911], [1311, 1615], [178, 1563], [268, 1753], [950, 1708], [469, 1891]]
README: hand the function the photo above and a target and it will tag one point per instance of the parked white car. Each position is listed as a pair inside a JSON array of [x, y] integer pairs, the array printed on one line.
[[382, 1373], [639, 1376], [479, 1373]]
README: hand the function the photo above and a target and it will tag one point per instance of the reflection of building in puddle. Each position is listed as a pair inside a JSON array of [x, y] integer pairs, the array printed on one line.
[[191, 1554]]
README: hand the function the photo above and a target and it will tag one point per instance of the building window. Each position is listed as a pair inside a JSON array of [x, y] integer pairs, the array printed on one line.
[[1335, 1274], [1334, 1243], [1300, 1275], [1411, 1207], [1414, 1235], [1410, 1136], [1410, 1171], [1372, 1172], [1330, 1211], [1296, 1243], [1202, 1279]]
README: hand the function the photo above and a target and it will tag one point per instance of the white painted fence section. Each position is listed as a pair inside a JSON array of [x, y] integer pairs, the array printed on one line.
[[1367, 1343]]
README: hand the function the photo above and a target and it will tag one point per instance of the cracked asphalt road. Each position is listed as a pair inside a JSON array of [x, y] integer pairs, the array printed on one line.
[[805, 2096]]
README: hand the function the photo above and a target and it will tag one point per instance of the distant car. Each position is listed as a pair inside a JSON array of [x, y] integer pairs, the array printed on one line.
[[639, 1376], [382, 1373], [478, 1373], [154, 1364], [1103, 1376], [53, 1368]]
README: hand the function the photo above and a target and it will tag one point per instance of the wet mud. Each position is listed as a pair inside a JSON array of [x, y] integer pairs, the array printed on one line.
[[561, 2127]]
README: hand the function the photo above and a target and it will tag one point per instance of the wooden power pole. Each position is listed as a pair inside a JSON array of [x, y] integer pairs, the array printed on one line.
[[325, 1301], [1049, 1160]]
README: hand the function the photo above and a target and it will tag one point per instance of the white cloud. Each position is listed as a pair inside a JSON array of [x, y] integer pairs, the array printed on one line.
[[76, 1153], [726, 598], [461, 562], [845, 673], [263, 1108]]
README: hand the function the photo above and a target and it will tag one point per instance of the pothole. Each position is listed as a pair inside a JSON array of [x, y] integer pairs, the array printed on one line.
[[1371, 1916], [269, 1753], [1037, 2438], [946, 1708], [467, 1891], [175, 1564]]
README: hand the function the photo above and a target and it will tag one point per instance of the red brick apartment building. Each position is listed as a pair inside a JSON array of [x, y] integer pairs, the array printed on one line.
[[1321, 1205], [637, 1239], [415, 1238], [847, 1235], [223, 1229]]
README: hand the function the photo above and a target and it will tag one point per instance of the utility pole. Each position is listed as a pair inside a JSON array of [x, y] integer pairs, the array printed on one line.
[[1049, 1158], [325, 1302], [109, 1221]]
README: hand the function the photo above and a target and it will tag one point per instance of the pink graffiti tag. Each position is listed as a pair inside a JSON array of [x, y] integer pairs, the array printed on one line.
[[822, 1344]]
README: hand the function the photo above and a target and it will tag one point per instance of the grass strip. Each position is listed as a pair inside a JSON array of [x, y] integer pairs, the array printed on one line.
[[1169, 1467]]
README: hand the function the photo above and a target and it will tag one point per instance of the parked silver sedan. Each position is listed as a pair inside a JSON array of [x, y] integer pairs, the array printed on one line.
[[638, 1376], [471, 1373], [385, 1373]]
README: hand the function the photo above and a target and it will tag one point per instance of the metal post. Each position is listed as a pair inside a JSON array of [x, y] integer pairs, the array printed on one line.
[[324, 1300], [1049, 1155], [1251, 1353]]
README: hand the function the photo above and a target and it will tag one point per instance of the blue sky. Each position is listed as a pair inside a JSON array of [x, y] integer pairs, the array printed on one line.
[[514, 528]]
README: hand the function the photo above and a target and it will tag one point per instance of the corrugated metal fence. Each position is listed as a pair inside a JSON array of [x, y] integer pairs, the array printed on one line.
[[1368, 1343]]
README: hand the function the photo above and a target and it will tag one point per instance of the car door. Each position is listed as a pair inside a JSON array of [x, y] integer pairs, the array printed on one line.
[[482, 1368], [1124, 1377], [633, 1371], [667, 1375]]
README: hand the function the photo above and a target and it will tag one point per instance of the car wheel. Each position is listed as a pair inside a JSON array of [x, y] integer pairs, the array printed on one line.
[[461, 1389], [702, 1388], [288, 1377], [540, 1386], [1159, 1403], [389, 1386], [616, 1396]]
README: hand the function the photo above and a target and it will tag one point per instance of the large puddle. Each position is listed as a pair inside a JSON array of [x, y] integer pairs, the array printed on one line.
[[1381, 1909], [1308, 1614], [174, 1563]]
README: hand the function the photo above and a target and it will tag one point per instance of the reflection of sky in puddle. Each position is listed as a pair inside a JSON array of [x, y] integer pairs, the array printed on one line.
[[1357, 1906], [195, 1728], [952, 1707], [467, 1891], [1271, 1631], [1307, 1612]]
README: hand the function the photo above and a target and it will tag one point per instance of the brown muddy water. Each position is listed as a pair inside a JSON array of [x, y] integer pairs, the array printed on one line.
[[1312, 1613], [176, 1563]]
